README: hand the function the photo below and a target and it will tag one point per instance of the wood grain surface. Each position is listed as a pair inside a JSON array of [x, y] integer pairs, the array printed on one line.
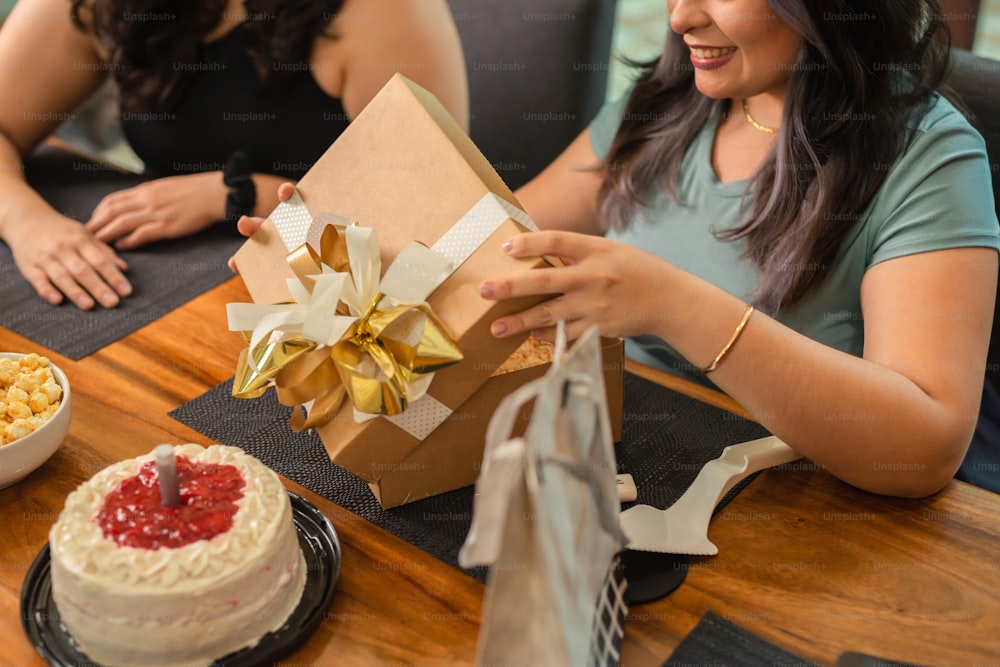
[[810, 564]]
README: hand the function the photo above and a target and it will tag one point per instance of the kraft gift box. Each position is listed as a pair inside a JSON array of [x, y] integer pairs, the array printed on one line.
[[407, 170]]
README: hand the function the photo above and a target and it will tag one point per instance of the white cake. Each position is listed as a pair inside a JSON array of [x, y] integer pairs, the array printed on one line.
[[176, 605]]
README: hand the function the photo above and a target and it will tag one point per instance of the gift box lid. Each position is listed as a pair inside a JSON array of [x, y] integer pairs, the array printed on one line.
[[403, 167]]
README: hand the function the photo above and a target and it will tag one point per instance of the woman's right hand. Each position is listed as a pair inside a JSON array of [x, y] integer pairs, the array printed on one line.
[[248, 225], [58, 257]]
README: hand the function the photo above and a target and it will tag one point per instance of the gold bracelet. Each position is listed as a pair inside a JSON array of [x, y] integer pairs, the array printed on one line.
[[732, 341]]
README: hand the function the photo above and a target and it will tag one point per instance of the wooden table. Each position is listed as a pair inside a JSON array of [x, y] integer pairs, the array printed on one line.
[[806, 562]]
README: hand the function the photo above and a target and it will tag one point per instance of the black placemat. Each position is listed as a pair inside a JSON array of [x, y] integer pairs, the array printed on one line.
[[164, 275], [716, 641], [666, 439]]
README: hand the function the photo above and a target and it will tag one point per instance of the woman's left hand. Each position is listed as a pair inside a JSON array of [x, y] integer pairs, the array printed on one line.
[[165, 208], [618, 287]]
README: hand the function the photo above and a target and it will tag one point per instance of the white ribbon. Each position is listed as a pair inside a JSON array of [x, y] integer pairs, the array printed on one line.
[[293, 221]]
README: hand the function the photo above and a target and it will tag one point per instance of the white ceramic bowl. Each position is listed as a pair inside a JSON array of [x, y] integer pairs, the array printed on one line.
[[26, 454]]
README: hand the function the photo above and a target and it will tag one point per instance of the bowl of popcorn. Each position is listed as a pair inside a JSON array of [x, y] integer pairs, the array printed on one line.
[[34, 413]]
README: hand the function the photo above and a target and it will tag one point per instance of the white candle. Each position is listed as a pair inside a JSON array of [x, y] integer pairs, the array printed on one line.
[[166, 464]]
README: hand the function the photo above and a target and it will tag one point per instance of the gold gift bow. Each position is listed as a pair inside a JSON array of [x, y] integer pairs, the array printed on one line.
[[347, 333], [256, 372]]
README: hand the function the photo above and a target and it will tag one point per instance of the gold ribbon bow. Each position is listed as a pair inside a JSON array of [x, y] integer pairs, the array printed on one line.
[[348, 333]]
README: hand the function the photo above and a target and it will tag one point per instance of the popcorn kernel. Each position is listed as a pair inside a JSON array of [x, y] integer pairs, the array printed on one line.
[[38, 402], [16, 395], [8, 371], [18, 411], [52, 391], [17, 429], [32, 361], [27, 382]]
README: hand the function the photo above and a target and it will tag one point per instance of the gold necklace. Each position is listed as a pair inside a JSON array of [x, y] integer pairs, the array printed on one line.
[[756, 125]]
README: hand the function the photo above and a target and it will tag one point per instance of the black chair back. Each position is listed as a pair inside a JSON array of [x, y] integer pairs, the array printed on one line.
[[976, 81], [538, 73]]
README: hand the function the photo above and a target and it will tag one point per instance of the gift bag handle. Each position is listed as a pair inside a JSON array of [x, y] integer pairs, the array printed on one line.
[[503, 466], [502, 423], [581, 388]]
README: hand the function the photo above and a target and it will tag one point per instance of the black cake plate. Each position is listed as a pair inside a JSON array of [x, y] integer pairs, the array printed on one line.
[[320, 549]]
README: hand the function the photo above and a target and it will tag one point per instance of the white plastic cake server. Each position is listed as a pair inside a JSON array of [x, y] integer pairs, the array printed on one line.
[[682, 528]]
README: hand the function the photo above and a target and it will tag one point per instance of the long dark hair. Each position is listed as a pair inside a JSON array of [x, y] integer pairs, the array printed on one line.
[[154, 46], [863, 68]]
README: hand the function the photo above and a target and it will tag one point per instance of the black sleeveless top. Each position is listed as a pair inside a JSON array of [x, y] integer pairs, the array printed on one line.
[[223, 111]]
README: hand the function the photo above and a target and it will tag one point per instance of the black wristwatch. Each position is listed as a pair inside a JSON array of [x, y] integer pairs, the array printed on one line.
[[242, 196]]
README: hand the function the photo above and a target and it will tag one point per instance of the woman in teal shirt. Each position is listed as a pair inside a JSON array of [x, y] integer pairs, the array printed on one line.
[[783, 205]]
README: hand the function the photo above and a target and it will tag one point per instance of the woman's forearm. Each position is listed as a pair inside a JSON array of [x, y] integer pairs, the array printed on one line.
[[21, 202], [867, 423]]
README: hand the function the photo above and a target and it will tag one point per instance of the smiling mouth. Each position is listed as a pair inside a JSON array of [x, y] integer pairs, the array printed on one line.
[[712, 53]]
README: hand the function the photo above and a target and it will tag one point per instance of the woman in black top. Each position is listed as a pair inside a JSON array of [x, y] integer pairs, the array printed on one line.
[[259, 88]]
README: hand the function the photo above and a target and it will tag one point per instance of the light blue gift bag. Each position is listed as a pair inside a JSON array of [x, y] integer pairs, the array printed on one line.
[[546, 521]]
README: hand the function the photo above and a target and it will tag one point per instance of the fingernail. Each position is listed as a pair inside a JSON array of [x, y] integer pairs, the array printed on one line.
[[498, 328], [85, 303], [507, 245], [486, 290]]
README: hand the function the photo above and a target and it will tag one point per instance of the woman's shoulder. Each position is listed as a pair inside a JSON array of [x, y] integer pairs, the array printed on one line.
[[941, 116], [938, 194], [605, 124], [62, 20], [377, 38], [939, 133]]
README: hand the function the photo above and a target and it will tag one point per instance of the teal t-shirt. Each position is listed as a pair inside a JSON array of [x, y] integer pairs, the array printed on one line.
[[938, 195]]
